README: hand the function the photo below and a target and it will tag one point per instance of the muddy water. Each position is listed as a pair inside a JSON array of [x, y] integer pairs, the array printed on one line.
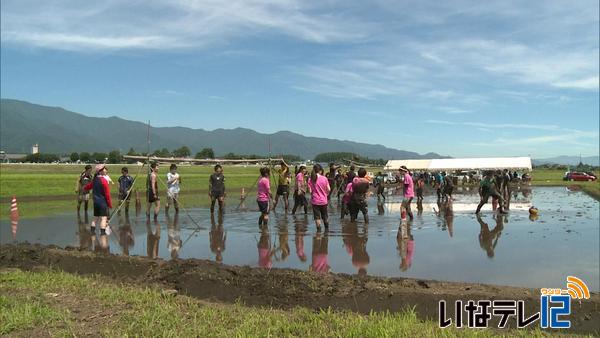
[[444, 242]]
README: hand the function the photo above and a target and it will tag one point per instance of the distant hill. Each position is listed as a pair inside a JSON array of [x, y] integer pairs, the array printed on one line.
[[61, 131], [568, 160]]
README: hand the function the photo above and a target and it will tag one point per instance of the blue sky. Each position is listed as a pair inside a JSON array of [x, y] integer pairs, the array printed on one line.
[[462, 78]]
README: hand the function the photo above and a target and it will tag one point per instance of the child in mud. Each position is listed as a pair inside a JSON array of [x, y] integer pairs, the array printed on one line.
[[350, 175], [331, 178], [152, 191], [339, 183], [125, 184], [319, 189], [409, 192], [378, 182], [358, 202], [216, 189], [283, 186], [300, 191], [346, 200], [487, 189], [83, 196], [420, 187], [263, 195], [448, 186], [102, 202], [173, 181]]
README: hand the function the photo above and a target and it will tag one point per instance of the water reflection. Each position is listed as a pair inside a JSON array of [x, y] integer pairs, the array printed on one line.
[[283, 248], [217, 236], [265, 251], [125, 233], [152, 238], [488, 239], [174, 235], [320, 253], [405, 244], [84, 234], [355, 242], [300, 227]]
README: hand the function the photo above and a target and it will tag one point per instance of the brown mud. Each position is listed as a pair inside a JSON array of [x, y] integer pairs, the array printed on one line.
[[287, 288]]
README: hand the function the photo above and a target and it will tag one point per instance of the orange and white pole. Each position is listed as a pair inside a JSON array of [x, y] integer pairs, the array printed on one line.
[[14, 217]]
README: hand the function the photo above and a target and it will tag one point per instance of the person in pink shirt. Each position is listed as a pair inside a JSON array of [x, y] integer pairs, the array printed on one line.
[[409, 190], [346, 199], [300, 191], [263, 195], [319, 189]]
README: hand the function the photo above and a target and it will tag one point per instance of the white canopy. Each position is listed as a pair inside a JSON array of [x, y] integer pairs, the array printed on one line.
[[484, 163]]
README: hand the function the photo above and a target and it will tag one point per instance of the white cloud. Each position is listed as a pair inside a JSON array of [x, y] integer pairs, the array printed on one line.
[[496, 125], [113, 25]]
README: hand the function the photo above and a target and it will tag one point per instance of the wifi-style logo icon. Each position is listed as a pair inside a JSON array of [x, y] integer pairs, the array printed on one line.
[[577, 288]]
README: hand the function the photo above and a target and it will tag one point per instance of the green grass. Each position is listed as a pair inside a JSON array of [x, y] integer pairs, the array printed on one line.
[[149, 311], [551, 177]]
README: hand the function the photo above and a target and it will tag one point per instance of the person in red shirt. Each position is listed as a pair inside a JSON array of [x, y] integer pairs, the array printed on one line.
[[101, 195]]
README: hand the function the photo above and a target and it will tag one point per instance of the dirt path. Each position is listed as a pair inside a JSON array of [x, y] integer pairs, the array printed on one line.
[[286, 288]]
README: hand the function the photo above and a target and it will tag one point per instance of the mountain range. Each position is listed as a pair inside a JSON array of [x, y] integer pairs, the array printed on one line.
[[568, 160], [60, 131]]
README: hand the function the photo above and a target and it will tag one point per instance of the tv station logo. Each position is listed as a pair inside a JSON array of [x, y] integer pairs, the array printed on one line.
[[555, 307]]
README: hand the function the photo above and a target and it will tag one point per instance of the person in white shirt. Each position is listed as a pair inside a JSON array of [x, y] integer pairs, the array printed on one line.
[[173, 181]]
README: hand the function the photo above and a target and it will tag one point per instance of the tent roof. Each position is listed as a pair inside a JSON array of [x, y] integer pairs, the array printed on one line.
[[463, 163]]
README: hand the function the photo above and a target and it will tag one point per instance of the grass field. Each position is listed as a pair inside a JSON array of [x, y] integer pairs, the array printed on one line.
[[60, 304]]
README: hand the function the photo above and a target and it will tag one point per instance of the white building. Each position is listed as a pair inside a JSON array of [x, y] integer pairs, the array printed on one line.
[[451, 164]]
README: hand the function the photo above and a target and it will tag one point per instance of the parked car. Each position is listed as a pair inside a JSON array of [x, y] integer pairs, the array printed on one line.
[[389, 178], [578, 176]]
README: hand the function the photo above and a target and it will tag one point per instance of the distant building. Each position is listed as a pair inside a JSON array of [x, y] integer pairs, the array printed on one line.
[[35, 149], [8, 158]]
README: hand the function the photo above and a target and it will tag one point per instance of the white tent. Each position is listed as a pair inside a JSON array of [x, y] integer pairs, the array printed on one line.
[[484, 163]]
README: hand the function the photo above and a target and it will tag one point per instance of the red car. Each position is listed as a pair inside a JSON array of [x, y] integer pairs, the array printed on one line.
[[578, 176]]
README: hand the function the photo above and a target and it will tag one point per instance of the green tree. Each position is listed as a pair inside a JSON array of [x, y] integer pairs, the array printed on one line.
[[182, 152], [74, 157], [205, 153], [42, 158], [334, 157], [115, 157], [99, 157], [132, 152], [164, 152], [85, 157]]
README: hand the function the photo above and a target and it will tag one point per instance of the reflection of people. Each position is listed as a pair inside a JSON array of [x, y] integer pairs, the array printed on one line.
[[489, 239], [299, 239], [126, 238], [356, 246], [449, 216], [265, 252], [284, 246], [320, 260], [153, 239], [85, 238], [174, 235], [217, 238], [419, 207], [406, 245]]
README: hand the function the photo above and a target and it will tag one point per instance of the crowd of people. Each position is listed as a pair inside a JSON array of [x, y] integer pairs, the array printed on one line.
[[352, 189]]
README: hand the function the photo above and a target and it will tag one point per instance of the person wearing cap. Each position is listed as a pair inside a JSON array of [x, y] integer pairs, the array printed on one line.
[[102, 202], [83, 196], [152, 191], [409, 190]]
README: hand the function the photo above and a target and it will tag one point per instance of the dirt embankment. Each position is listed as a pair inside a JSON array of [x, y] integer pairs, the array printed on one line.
[[286, 288]]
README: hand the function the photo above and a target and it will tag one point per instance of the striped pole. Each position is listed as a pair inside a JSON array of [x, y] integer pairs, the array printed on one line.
[[14, 217]]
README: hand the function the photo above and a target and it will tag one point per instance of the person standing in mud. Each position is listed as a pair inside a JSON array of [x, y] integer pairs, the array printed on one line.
[[218, 236], [173, 181], [125, 184], [487, 189], [152, 191], [350, 175], [358, 202], [320, 252], [300, 191], [409, 192], [506, 178], [216, 189], [263, 196], [448, 187], [319, 189], [420, 187], [379, 184], [331, 178], [339, 183], [346, 199], [83, 196], [102, 201], [283, 186], [439, 184]]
